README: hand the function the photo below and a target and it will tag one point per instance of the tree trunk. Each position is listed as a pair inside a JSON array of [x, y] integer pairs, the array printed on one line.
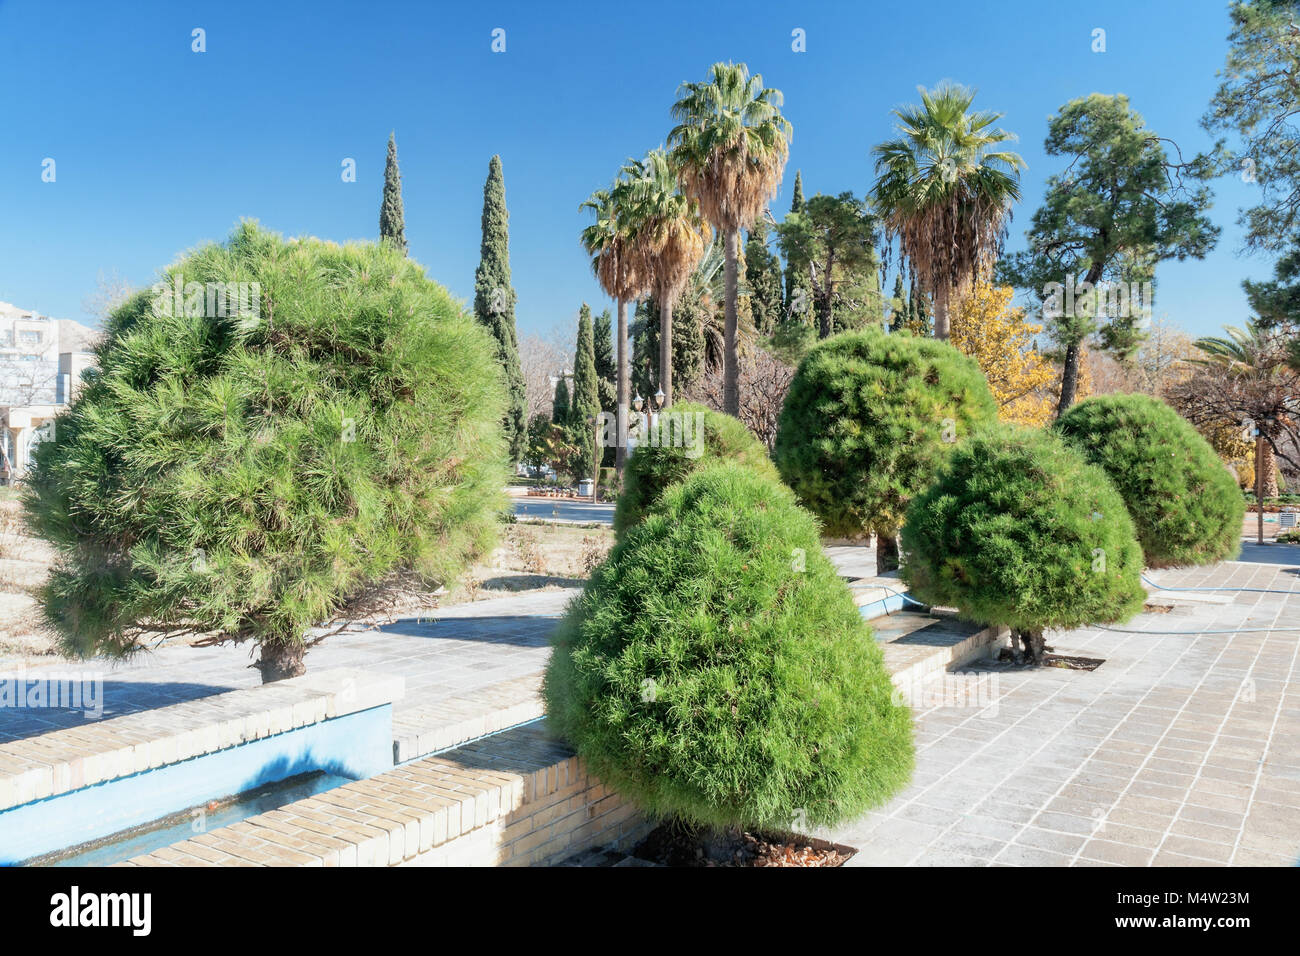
[[280, 661], [1069, 379], [828, 299], [1034, 645], [1260, 444], [620, 452], [666, 349], [1268, 465], [731, 355], [941, 314], [886, 550]]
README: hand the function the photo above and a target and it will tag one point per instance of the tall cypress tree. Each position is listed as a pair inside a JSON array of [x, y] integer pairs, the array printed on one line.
[[606, 373], [585, 399], [392, 220], [494, 304], [763, 276], [794, 270]]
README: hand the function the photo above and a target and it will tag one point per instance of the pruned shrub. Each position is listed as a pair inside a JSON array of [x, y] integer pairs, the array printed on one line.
[[689, 437], [867, 421], [1183, 501], [252, 471], [716, 668], [1019, 530]]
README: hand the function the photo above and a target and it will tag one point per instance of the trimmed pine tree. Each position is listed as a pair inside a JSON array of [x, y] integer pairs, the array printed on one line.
[[494, 305], [392, 220]]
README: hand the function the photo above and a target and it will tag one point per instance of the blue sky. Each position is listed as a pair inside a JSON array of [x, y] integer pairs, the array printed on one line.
[[159, 148]]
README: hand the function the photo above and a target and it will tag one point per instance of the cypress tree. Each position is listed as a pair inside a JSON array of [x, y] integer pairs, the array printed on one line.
[[606, 373], [763, 276], [494, 304], [793, 270], [560, 407], [392, 221], [585, 401]]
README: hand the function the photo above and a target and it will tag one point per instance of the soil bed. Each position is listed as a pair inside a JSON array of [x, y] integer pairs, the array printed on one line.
[[674, 845]]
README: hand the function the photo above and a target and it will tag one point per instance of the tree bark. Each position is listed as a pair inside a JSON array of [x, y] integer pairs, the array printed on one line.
[[886, 550], [666, 349], [1268, 465], [731, 355], [1034, 645], [941, 314], [1069, 379], [620, 453], [281, 661]]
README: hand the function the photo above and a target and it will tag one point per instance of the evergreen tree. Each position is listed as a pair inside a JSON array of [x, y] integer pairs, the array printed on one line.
[[585, 401], [560, 407], [763, 276], [794, 270], [494, 304], [392, 221], [606, 373]]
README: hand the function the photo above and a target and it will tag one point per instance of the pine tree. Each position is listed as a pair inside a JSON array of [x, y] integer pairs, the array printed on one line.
[[585, 401], [494, 304], [560, 407], [392, 221], [763, 276], [794, 270]]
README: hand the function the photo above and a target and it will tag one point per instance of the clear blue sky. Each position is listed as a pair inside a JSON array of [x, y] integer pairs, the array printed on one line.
[[159, 148]]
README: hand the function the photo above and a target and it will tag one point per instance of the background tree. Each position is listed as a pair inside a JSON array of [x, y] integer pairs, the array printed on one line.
[[988, 328], [614, 261], [794, 270], [730, 146], [250, 481], [945, 194], [585, 399], [1257, 101], [835, 237], [494, 304], [606, 374], [763, 276], [670, 238], [392, 221], [1120, 207], [560, 412]]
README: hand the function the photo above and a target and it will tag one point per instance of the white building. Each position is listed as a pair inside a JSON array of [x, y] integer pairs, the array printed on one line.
[[41, 363]]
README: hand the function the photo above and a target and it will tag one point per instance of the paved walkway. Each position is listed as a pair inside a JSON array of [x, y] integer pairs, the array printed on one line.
[[1181, 749], [564, 510]]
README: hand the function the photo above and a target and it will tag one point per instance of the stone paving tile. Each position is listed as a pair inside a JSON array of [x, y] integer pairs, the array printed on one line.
[[1180, 750]]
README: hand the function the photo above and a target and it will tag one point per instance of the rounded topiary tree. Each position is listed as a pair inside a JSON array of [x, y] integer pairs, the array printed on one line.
[[276, 432], [687, 438], [716, 668], [866, 423], [1183, 501], [1018, 530]]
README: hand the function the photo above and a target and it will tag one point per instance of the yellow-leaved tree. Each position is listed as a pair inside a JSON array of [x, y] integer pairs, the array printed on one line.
[[996, 335]]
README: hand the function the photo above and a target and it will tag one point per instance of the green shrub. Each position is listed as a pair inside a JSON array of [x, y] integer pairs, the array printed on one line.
[[252, 474], [867, 421], [1183, 501], [716, 668], [1019, 530], [652, 468]]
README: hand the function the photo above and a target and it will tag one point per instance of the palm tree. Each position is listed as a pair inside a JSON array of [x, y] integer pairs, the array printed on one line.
[[670, 237], [945, 194], [730, 145], [618, 269]]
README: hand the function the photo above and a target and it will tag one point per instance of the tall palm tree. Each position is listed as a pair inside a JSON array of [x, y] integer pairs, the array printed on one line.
[[730, 146], [945, 192], [670, 237], [618, 268]]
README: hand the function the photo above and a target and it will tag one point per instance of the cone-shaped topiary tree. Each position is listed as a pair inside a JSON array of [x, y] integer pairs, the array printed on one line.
[[689, 437], [392, 220], [716, 668], [1184, 502], [252, 466], [1019, 530], [866, 423]]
